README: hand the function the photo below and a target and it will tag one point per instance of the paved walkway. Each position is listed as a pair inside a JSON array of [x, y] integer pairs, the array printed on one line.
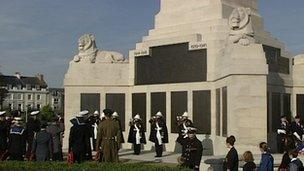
[[169, 157]]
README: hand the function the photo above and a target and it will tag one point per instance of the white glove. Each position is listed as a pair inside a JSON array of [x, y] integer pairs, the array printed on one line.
[[281, 131], [297, 135]]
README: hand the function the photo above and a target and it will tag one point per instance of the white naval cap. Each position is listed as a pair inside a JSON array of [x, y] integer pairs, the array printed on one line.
[[115, 115], [2, 113], [137, 116], [17, 119], [185, 114], [159, 114], [96, 112], [82, 113], [35, 113]]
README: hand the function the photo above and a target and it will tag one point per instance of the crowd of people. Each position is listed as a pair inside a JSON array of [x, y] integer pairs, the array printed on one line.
[[290, 143], [103, 134], [33, 140], [36, 140]]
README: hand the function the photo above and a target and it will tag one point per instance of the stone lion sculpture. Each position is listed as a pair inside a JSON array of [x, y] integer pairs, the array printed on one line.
[[88, 52], [241, 30]]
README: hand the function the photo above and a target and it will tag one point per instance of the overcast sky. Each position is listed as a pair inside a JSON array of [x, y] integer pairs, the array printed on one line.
[[40, 36]]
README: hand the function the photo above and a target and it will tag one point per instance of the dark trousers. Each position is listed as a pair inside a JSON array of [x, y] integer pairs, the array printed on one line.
[[57, 156], [281, 143], [158, 150], [137, 148], [16, 157], [79, 157]]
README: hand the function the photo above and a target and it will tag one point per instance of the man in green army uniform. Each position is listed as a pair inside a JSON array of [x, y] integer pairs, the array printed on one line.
[[108, 139]]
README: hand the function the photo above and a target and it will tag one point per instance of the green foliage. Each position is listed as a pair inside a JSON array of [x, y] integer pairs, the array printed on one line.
[[47, 113], [88, 166]]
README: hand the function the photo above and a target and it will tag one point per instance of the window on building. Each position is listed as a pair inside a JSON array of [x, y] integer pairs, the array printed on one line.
[[19, 96], [20, 107], [9, 86], [38, 106], [38, 97], [29, 106], [38, 87], [54, 93], [29, 97], [10, 106], [28, 87], [9, 96], [272, 54], [19, 87], [56, 101]]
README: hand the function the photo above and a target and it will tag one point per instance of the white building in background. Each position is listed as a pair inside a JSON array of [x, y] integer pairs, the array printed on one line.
[[27, 93], [56, 99]]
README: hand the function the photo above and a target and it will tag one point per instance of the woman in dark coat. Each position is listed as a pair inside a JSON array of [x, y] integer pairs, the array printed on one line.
[[136, 134], [232, 159], [249, 165], [289, 145], [266, 163]]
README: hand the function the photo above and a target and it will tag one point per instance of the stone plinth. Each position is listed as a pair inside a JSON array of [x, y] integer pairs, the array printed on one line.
[[235, 61]]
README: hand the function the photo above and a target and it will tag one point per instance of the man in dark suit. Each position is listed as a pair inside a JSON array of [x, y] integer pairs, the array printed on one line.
[[4, 132], [56, 130], [17, 140], [32, 127], [192, 150], [159, 133], [42, 144], [79, 140]]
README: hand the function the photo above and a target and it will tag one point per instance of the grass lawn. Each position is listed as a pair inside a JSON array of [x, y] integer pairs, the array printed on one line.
[[88, 166]]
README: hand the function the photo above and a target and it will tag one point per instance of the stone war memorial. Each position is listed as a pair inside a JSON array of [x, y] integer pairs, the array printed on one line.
[[212, 58]]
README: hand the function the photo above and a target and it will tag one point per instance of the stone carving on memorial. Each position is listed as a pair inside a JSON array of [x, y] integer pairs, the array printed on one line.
[[88, 52], [241, 30]]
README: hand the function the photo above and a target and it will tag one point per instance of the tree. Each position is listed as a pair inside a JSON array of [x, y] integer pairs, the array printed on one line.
[[47, 113], [3, 91]]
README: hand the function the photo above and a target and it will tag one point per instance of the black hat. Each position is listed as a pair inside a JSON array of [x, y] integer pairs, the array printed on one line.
[[108, 112]]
